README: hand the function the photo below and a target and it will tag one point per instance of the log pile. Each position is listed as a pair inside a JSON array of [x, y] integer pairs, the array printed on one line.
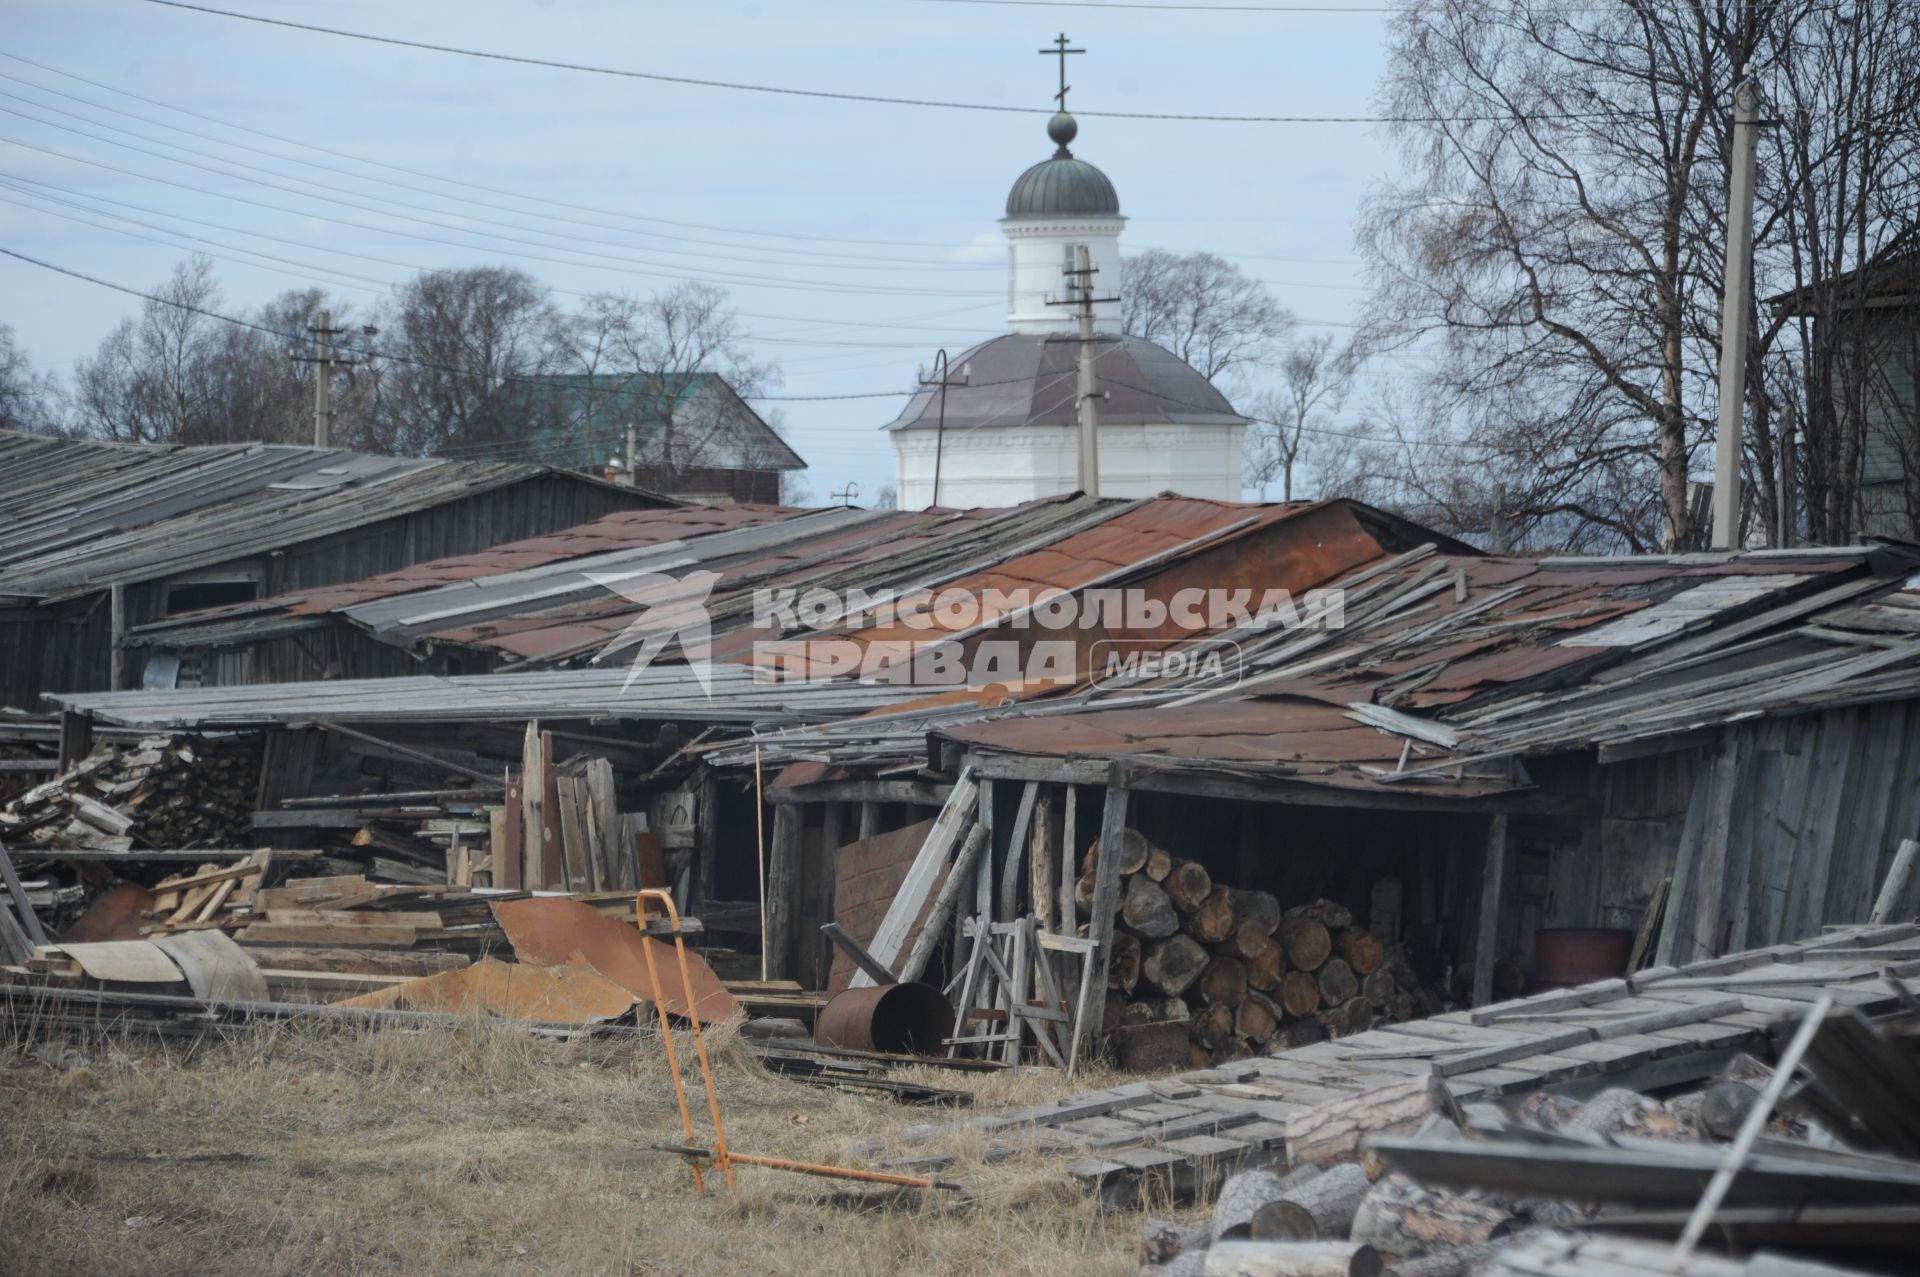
[[176, 792], [1246, 974], [1339, 1211]]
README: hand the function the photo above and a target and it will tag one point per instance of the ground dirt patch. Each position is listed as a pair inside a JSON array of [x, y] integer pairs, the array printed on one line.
[[477, 1149]]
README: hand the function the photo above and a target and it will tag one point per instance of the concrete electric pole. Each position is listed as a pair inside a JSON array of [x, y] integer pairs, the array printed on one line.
[[325, 360], [1736, 302], [1080, 295]]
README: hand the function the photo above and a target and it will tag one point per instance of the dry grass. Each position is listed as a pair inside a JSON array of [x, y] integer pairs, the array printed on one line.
[[477, 1149]]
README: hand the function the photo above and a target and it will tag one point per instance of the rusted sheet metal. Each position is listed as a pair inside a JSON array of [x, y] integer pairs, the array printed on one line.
[[888, 1018], [116, 915], [553, 930], [1318, 742], [572, 993]]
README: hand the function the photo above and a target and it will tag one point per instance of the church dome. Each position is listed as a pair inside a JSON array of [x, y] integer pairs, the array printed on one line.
[[1028, 379], [1063, 186]]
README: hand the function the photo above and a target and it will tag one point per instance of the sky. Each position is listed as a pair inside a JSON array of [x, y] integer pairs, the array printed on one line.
[[855, 238]]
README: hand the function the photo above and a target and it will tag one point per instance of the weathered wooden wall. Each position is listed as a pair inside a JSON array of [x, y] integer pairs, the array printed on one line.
[[65, 647], [1782, 826]]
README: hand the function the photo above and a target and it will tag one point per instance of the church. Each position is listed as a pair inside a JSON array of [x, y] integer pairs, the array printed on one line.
[[1002, 425]]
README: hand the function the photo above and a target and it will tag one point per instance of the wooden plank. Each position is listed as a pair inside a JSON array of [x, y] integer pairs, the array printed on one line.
[[533, 789], [1106, 890], [1486, 938], [834, 932], [509, 860], [1893, 890], [965, 867], [948, 827], [419, 920], [1017, 851], [386, 937], [553, 856], [784, 885], [28, 920], [573, 835]]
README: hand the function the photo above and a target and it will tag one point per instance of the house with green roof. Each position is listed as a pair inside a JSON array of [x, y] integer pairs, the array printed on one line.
[[691, 435]]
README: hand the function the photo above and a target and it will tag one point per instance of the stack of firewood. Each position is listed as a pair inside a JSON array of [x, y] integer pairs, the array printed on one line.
[[1245, 973], [173, 792]]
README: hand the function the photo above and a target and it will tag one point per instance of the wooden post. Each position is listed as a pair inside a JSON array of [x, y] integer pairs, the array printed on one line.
[[117, 627], [706, 839], [833, 823], [869, 820], [1016, 852], [1490, 893], [1899, 874], [1069, 859], [783, 888], [1106, 889], [1040, 857], [76, 738]]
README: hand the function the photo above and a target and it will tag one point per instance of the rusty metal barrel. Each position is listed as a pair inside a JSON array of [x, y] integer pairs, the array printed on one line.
[[892, 1019]]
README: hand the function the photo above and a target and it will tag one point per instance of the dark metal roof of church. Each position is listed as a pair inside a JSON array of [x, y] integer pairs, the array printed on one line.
[[1028, 379]]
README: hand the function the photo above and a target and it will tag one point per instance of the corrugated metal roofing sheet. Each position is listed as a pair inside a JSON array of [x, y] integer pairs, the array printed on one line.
[[77, 515]]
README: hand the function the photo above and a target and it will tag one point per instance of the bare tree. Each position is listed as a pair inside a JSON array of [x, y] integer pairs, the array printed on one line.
[[651, 356], [1558, 244], [144, 384], [30, 400], [463, 350], [886, 498], [1314, 379], [1201, 307]]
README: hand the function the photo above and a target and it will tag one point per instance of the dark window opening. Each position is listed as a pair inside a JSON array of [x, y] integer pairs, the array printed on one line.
[[194, 595]]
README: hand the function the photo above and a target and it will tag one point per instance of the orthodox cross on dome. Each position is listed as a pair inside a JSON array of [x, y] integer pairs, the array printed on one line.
[[1060, 50]]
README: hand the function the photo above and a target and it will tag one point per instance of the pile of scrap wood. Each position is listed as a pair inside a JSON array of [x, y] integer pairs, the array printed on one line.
[[319, 939], [1242, 972], [162, 791], [1811, 1160], [555, 824]]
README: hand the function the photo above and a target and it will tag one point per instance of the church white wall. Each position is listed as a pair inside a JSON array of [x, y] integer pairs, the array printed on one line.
[[995, 466], [1039, 249]]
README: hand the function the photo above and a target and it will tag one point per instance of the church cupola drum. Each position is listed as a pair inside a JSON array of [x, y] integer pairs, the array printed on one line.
[[1007, 430]]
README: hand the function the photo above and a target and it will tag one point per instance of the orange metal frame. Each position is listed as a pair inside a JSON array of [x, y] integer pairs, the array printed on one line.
[[720, 1155]]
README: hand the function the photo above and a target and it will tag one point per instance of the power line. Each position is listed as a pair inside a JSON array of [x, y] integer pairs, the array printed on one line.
[[838, 261], [879, 99], [1170, 8], [759, 281], [477, 186], [399, 358], [535, 199], [786, 338]]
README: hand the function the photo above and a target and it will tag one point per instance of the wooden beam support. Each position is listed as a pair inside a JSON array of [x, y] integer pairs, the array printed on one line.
[[76, 738], [783, 889], [918, 793], [877, 973], [1106, 890], [1485, 940]]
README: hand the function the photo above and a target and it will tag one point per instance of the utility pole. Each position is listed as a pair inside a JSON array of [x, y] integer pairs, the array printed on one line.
[[941, 380], [327, 360], [632, 449], [1736, 302], [1080, 295]]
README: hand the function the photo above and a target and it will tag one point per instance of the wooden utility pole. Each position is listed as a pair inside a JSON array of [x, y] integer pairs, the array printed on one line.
[[1736, 303], [1080, 295]]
